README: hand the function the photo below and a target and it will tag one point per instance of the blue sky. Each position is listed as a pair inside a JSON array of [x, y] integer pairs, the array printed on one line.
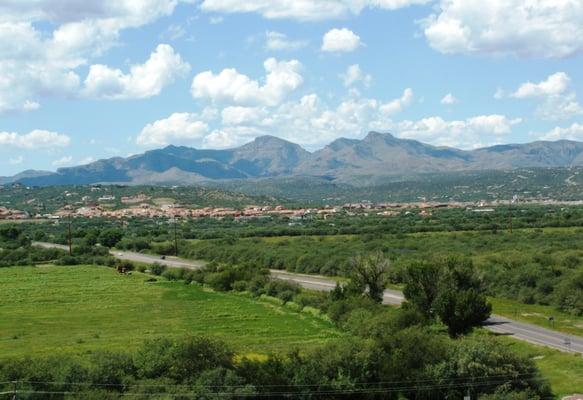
[[80, 82]]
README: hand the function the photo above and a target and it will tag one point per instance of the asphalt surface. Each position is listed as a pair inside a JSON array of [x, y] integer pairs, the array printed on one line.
[[497, 324]]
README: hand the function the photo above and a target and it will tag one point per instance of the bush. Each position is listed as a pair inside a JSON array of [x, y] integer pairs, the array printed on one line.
[[240, 286], [125, 265], [157, 268]]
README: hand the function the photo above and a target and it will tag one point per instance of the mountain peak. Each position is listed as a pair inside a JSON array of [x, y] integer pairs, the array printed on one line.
[[267, 156], [267, 139], [372, 135]]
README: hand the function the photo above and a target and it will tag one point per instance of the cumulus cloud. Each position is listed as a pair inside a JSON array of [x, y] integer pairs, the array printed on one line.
[[36, 139], [36, 63], [558, 101], [555, 84], [230, 86], [235, 115], [573, 132], [399, 104], [307, 120], [279, 41], [178, 128], [354, 74], [449, 99], [144, 80], [231, 136], [541, 28], [304, 10], [472, 132], [340, 41]]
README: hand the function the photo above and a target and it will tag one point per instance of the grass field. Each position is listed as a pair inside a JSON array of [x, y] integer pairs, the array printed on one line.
[[564, 371], [79, 309]]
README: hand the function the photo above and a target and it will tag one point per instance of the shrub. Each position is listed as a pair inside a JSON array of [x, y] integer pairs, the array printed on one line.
[[157, 268]]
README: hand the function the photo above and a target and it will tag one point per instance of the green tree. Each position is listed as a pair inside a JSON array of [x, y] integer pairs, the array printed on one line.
[[460, 303], [449, 289], [370, 274], [420, 290], [473, 363], [110, 237]]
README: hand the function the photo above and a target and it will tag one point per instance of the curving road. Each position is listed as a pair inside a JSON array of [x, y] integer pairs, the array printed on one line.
[[497, 324]]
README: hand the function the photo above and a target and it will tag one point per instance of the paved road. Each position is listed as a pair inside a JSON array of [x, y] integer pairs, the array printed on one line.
[[500, 325], [137, 257]]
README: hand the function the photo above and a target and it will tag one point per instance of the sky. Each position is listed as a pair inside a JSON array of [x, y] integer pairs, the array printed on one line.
[[81, 81]]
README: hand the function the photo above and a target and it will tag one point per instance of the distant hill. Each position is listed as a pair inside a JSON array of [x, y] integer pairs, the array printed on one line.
[[376, 157]]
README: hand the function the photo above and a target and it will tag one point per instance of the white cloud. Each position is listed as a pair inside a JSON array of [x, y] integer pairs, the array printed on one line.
[[355, 74], [178, 128], [35, 63], [559, 107], [304, 10], [555, 84], [216, 20], [469, 133], [229, 86], [558, 102], [65, 160], [399, 104], [280, 41], [534, 28], [500, 94], [449, 99], [231, 136], [340, 40], [36, 139], [308, 121], [573, 132], [235, 115], [144, 80]]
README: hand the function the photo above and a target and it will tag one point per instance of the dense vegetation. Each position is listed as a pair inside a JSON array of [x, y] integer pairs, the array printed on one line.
[[385, 353], [344, 223], [533, 266], [16, 249], [540, 262]]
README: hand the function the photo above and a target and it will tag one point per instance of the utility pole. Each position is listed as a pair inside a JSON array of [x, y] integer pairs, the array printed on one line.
[[69, 238], [175, 236], [510, 214]]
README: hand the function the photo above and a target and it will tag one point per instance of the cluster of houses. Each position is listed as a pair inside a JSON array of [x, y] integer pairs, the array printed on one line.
[[9, 214], [146, 210], [140, 206]]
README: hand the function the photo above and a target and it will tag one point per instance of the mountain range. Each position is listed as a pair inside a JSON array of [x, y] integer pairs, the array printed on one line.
[[344, 160]]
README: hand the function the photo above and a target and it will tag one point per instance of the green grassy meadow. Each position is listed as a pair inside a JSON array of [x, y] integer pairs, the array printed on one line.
[[563, 371], [49, 309]]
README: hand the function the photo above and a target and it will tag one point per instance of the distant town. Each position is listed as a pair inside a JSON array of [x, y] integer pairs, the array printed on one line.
[[143, 206]]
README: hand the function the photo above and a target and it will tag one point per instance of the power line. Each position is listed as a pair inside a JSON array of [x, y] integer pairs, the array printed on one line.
[[473, 378]]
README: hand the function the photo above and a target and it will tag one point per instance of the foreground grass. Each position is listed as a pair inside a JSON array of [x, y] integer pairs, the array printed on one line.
[[79, 309], [564, 371], [538, 315]]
